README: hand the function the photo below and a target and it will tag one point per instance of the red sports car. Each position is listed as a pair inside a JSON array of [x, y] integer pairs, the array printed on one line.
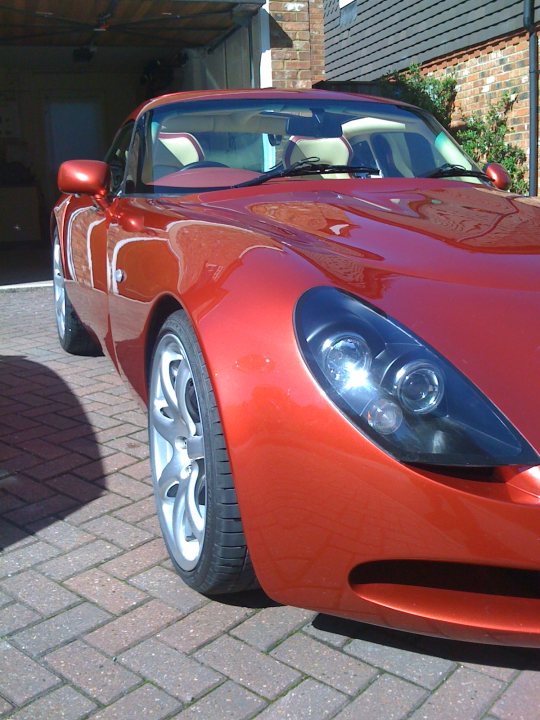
[[331, 314]]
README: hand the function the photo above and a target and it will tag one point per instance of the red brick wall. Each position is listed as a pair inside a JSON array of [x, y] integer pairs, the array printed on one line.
[[297, 42], [484, 73]]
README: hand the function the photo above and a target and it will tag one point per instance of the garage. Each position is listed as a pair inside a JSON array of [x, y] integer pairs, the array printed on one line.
[[70, 72]]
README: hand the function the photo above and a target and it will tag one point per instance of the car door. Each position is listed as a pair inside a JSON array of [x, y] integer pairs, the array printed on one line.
[[96, 224], [126, 226], [86, 227], [138, 261]]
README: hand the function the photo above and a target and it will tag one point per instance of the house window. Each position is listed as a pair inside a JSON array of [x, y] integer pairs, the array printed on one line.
[[347, 11]]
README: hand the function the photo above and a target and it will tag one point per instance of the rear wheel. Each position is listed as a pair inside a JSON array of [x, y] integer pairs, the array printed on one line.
[[193, 485], [73, 336]]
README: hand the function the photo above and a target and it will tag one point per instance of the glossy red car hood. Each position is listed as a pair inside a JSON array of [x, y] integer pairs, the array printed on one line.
[[456, 263]]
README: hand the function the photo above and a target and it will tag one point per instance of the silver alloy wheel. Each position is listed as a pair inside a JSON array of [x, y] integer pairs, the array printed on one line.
[[59, 289], [177, 454]]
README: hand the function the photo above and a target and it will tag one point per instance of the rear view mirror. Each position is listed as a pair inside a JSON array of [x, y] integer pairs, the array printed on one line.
[[326, 126]]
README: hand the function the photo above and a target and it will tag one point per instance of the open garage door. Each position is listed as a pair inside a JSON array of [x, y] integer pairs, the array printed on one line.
[[189, 23], [71, 71]]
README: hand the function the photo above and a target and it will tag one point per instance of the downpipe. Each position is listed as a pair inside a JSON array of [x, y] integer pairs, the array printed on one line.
[[530, 26]]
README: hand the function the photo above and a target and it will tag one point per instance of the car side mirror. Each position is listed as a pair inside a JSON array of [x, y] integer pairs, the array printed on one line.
[[84, 177], [498, 175]]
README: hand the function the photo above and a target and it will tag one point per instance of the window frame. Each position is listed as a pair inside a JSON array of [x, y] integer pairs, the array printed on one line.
[[119, 145]]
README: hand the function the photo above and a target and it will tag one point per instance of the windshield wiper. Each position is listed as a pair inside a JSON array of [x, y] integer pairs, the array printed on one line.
[[307, 166], [449, 170]]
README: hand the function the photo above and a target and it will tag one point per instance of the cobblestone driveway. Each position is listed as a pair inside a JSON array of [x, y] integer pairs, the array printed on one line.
[[95, 624]]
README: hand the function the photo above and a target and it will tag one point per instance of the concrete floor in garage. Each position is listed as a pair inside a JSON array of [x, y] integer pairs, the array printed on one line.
[[95, 624], [25, 262]]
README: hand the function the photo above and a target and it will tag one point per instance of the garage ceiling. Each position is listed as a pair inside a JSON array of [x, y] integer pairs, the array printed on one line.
[[122, 23]]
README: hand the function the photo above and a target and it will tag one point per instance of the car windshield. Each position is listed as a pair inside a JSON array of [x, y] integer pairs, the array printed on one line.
[[186, 146]]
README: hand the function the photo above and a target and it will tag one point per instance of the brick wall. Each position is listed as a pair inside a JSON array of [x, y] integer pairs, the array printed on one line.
[[484, 73], [297, 42]]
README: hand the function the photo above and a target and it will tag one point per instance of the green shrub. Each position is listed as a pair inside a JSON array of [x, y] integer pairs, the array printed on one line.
[[483, 136], [436, 95]]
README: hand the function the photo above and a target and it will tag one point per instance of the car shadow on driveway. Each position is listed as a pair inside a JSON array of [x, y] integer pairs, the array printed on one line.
[[255, 599], [45, 440], [456, 651]]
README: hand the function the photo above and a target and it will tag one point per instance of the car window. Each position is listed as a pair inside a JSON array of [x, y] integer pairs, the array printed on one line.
[[117, 156], [220, 143]]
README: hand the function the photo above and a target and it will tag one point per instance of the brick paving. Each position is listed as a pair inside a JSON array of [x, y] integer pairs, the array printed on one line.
[[95, 624]]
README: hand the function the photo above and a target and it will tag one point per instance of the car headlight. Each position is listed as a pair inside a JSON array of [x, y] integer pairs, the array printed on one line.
[[400, 392]]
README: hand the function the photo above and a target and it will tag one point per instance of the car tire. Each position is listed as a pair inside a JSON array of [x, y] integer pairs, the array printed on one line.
[[73, 336], [193, 485]]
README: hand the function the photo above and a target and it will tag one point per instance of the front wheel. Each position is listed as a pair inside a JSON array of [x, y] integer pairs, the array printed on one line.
[[72, 334], [193, 485]]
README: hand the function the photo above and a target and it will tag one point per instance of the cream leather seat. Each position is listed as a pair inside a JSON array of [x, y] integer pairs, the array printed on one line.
[[334, 151], [174, 150], [184, 146]]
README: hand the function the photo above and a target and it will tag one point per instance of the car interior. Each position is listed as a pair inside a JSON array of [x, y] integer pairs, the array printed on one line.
[[397, 142]]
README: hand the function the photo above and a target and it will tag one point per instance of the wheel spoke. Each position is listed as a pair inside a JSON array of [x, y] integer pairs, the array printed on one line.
[[59, 303], [166, 381], [164, 425], [177, 522], [192, 513], [187, 522], [182, 380], [170, 476]]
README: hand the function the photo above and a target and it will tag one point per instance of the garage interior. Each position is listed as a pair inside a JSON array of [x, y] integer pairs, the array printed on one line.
[[70, 72]]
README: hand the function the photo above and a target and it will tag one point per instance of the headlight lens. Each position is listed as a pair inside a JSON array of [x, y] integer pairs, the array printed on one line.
[[419, 387], [402, 394], [347, 360]]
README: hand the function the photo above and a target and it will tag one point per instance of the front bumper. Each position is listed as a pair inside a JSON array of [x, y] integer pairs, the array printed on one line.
[[335, 525]]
